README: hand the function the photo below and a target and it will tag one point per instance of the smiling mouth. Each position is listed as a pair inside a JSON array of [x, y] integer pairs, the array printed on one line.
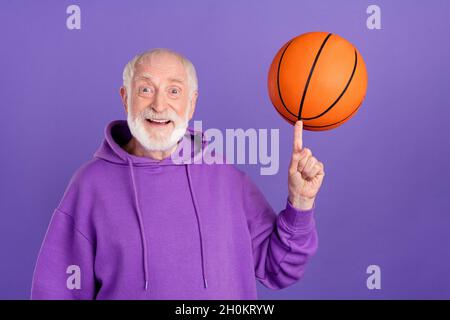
[[157, 122]]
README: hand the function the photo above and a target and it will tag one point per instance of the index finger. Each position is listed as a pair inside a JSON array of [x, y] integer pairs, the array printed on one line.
[[298, 136]]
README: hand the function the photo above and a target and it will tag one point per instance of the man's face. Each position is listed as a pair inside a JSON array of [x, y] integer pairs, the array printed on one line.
[[159, 106]]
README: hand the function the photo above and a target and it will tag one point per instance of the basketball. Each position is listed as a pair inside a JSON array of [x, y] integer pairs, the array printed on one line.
[[319, 78]]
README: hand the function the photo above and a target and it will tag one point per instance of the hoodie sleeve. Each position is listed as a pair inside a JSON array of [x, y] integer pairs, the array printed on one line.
[[64, 268], [282, 244]]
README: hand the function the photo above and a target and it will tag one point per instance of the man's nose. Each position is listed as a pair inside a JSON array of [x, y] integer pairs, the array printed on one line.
[[159, 103]]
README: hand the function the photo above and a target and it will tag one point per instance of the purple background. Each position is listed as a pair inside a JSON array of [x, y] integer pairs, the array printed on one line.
[[385, 198]]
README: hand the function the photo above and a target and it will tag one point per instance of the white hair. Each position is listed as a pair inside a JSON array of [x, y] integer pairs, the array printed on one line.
[[128, 71]]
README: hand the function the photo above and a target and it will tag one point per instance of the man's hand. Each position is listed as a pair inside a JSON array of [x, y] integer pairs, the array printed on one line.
[[305, 173]]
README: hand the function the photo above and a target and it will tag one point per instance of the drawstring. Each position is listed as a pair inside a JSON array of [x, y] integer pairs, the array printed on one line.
[[141, 225], [142, 230], [194, 200]]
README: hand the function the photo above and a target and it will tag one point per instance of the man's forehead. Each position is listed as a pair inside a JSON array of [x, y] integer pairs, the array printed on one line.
[[161, 66]]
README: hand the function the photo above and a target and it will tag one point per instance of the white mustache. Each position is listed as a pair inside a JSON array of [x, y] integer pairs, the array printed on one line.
[[167, 116]]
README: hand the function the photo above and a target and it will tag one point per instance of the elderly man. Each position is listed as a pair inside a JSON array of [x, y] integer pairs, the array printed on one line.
[[135, 224]]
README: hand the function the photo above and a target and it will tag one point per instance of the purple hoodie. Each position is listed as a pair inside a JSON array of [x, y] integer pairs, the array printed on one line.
[[130, 227]]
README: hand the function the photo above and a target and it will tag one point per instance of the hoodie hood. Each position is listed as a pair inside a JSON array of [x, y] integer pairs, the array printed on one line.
[[117, 134]]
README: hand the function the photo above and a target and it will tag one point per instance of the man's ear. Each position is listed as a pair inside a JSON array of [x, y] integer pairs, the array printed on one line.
[[193, 103], [124, 96]]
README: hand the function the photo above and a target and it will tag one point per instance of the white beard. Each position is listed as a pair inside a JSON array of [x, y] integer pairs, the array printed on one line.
[[158, 142]]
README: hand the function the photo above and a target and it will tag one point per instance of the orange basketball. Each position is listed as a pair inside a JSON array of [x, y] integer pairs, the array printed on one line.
[[319, 78]]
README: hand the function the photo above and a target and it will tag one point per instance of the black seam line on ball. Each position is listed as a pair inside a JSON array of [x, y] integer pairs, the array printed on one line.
[[278, 79], [342, 93], [332, 124], [305, 89]]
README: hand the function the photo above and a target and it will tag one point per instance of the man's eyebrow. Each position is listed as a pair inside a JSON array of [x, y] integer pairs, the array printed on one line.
[[145, 76], [177, 80], [148, 76]]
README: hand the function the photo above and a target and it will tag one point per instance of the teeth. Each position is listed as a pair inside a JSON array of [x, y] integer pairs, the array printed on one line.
[[159, 121]]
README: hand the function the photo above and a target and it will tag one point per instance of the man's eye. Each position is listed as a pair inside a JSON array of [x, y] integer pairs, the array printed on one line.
[[146, 90], [174, 91]]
